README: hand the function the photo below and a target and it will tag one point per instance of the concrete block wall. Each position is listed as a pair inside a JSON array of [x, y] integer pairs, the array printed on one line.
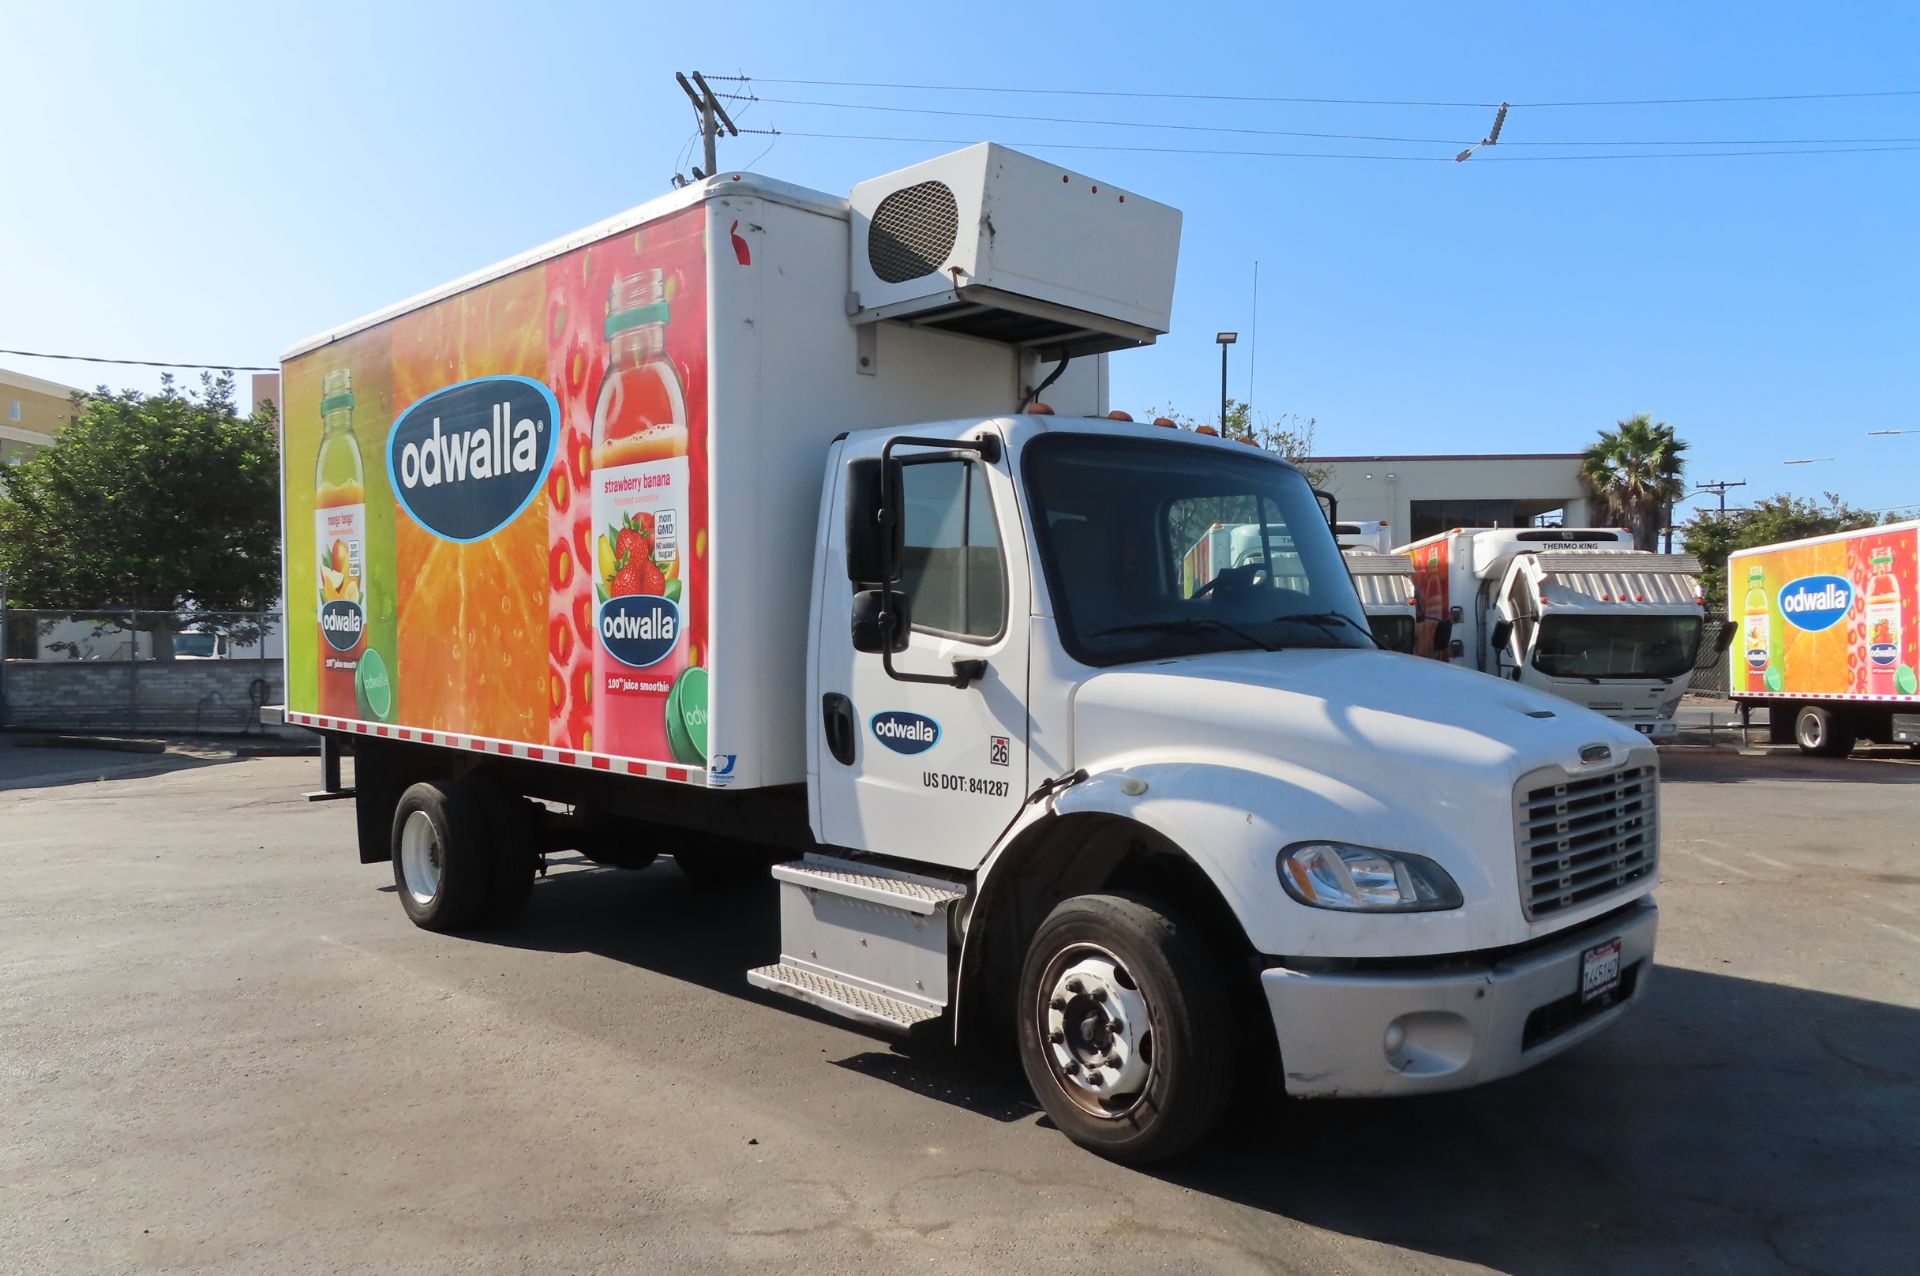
[[210, 696]]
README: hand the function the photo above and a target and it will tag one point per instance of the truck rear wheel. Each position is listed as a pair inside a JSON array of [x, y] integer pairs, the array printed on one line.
[[1123, 1029], [1822, 733], [443, 855]]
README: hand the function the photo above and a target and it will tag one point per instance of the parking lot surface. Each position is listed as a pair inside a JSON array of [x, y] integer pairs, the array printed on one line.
[[225, 1050]]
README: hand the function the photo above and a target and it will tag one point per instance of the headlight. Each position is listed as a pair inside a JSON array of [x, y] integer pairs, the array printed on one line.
[[1361, 879]]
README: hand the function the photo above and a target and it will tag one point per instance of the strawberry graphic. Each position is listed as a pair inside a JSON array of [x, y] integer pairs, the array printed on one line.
[[652, 579], [628, 580], [632, 545]]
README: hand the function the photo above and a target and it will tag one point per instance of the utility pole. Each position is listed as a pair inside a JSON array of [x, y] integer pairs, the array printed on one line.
[[1720, 489], [712, 117]]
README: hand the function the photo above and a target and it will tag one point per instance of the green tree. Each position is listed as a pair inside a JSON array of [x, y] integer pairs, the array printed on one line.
[[1635, 470], [1710, 536], [1288, 435], [166, 502]]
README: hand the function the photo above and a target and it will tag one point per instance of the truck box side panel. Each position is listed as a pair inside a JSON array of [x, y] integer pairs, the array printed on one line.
[[1832, 618], [786, 379], [479, 567]]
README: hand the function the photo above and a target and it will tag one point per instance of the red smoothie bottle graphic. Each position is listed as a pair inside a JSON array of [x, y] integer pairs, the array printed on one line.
[[340, 536], [639, 522], [1883, 624]]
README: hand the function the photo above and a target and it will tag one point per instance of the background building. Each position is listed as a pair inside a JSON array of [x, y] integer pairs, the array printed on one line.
[[1418, 496], [32, 411]]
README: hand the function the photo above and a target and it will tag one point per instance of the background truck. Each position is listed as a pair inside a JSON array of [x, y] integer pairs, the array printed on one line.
[[717, 530], [1575, 611], [1369, 534], [1385, 585], [1828, 637]]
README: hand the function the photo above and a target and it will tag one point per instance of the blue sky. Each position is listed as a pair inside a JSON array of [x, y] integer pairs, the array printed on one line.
[[216, 182]]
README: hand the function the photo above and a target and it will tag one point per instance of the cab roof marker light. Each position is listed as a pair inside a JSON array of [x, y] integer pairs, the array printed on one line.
[[1037, 408], [1118, 415]]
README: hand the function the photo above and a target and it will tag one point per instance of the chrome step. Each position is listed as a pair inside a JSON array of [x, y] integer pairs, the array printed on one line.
[[842, 998], [919, 895]]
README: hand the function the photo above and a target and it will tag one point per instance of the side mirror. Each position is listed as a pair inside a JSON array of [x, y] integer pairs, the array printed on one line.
[[870, 557], [1328, 506], [1723, 639], [1501, 635], [1442, 632], [870, 634]]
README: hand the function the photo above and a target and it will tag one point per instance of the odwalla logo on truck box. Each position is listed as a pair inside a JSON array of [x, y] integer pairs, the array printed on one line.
[[466, 460], [1814, 603]]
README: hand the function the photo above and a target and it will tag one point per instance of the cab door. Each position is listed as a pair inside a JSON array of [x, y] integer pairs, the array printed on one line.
[[926, 760]]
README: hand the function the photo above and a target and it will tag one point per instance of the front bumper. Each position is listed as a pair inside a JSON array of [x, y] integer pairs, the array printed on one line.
[[1657, 728], [1456, 1027]]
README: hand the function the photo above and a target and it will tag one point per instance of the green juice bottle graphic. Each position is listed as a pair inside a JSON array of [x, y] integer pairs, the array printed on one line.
[[353, 680], [1756, 633]]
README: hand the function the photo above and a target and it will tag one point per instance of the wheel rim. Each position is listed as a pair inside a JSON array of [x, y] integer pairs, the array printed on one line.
[[1811, 733], [1096, 1032], [421, 857]]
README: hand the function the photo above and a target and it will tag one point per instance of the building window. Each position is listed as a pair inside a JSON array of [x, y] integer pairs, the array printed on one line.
[[13, 409], [1429, 518]]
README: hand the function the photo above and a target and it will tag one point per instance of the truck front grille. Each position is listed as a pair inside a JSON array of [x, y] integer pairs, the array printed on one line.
[[1584, 839]]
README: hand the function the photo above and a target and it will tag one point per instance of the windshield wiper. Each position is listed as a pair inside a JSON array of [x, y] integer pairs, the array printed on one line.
[[1185, 625], [1324, 621]]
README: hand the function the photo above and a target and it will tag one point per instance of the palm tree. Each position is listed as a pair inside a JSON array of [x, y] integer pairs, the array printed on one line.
[[1635, 472]]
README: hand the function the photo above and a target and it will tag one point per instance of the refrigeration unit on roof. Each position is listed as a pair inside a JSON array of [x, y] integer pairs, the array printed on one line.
[[991, 243]]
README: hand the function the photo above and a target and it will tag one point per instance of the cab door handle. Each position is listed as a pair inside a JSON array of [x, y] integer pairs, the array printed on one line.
[[836, 716]]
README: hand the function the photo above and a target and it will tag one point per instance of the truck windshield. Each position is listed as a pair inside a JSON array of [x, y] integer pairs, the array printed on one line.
[[1395, 633], [1576, 646], [1157, 549], [201, 645]]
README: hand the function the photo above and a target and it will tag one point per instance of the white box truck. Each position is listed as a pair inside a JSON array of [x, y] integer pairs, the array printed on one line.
[[718, 530], [1578, 612], [1385, 585]]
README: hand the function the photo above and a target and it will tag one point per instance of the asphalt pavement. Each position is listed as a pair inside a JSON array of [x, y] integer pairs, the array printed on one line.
[[225, 1050]]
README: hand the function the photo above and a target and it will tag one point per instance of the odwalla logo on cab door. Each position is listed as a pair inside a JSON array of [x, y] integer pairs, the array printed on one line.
[[904, 732]]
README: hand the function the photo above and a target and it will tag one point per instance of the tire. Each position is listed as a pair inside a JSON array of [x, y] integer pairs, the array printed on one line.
[[1822, 733], [1146, 968], [514, 831], [721, 863], [443, 854]]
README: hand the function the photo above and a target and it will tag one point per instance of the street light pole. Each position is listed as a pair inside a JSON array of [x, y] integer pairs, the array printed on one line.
[[1226, 339]]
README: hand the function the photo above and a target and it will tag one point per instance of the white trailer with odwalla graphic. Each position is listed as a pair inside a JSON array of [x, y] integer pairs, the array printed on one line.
[[1022, 778]]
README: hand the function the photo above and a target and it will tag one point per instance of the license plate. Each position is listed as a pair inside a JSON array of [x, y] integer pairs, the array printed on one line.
[[1600, 970]]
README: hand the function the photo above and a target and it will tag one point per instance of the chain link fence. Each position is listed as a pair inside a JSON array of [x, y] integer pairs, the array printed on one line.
[[138, 671], [1710, 669]]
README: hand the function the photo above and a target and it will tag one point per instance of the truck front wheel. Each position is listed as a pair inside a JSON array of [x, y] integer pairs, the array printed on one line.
[[1822, 733], [1124, 1030], [443, 855]]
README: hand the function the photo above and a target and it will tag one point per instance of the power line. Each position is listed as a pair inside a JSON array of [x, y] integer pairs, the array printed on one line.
[[143, 363], [1269, 132], [1312, 101], [1341, 155]]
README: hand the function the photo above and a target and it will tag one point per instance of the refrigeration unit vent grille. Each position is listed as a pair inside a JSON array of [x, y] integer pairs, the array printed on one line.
[[914, 232]]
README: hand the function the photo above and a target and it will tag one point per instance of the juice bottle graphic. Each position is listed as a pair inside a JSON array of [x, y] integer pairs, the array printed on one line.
[[639, 524], [1756, 627], [340, 532], [1883, 623]]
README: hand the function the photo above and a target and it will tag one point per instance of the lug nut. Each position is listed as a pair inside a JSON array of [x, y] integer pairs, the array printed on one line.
[[1056, 1038], [1074, 985], [1094, 1077], [1058, 1003], [1100, 995], [1071, 1068]]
